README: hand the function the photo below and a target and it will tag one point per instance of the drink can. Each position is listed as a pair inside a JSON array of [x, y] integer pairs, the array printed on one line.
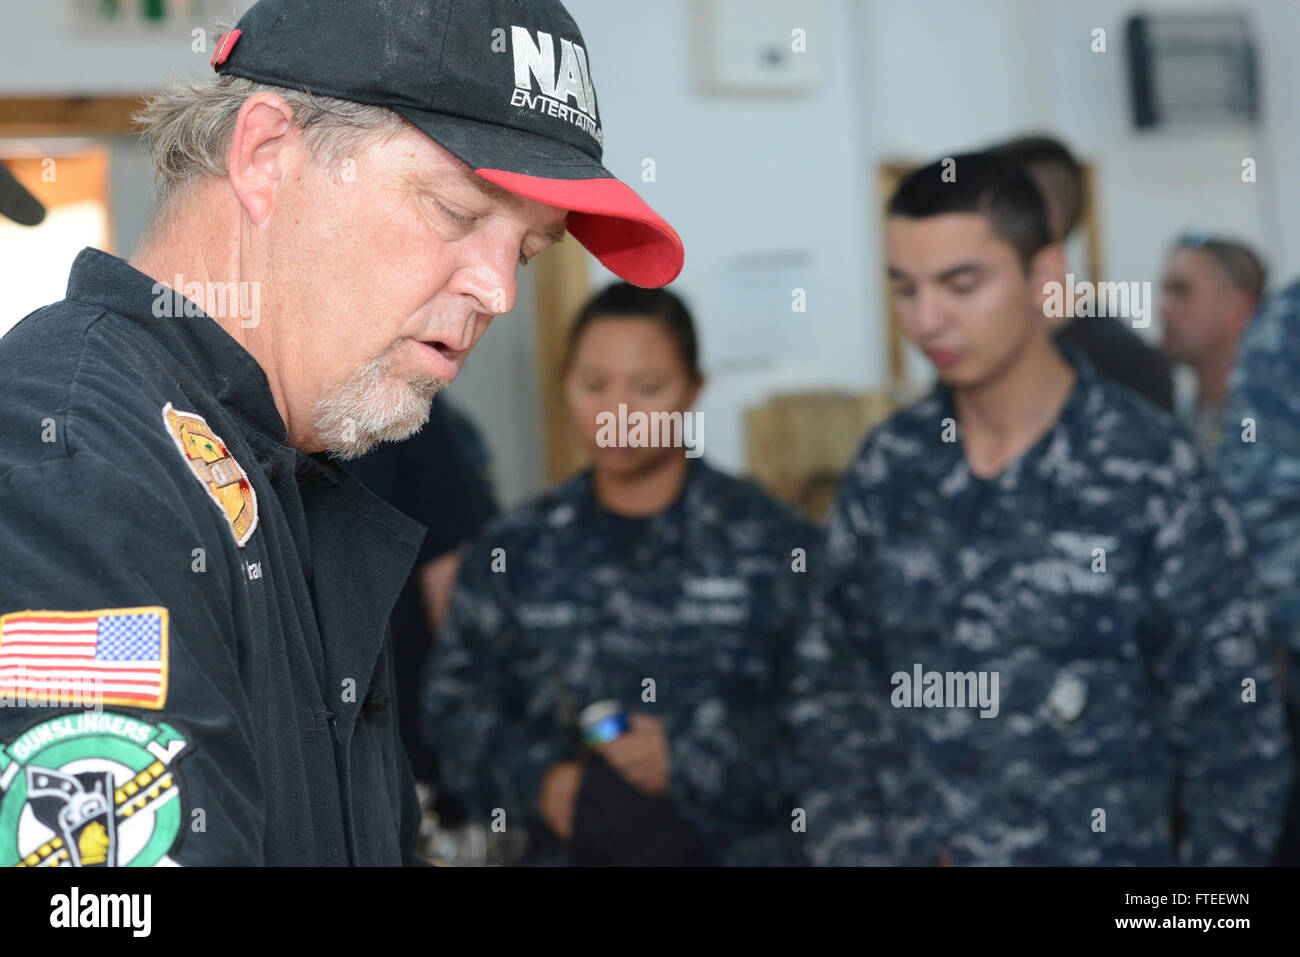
[[602, 722]]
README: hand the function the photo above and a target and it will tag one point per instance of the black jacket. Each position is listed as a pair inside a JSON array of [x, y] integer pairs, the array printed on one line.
[[1121, 355], [273, 663]]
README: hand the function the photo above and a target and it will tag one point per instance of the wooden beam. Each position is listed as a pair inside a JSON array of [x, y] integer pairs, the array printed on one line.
[[1091, 222], [562, 286], [67, 115]]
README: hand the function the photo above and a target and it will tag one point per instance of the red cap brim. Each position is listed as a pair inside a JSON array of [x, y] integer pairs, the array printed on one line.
[[611, 220]]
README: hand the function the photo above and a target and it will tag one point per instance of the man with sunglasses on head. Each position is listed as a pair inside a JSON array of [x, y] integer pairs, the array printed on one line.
[[1211, 288]]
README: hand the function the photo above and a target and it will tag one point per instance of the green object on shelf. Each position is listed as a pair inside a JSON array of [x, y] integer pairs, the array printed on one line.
[[155, 9]]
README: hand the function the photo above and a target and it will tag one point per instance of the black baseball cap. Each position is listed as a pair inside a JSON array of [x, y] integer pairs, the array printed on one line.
[[503, 85], [16, 202]]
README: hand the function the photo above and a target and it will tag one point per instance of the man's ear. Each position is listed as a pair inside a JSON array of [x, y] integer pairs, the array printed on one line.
[[1047, 266], [1244, 308], [260, 148]]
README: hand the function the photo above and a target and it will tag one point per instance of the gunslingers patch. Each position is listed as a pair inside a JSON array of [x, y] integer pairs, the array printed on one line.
[[221, 476], [90, 789]]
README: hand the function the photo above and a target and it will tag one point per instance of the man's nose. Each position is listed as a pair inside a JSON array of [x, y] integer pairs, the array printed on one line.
[[927, 314], [489, 276]]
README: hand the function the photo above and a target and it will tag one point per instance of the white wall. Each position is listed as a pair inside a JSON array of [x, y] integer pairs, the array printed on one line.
[[46, 49], [1155, 183]]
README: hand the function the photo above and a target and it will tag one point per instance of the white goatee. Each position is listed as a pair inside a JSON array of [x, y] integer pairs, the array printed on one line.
[[371, 406]]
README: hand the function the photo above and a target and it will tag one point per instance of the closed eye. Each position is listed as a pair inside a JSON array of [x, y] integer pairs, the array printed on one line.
[[455, 217]]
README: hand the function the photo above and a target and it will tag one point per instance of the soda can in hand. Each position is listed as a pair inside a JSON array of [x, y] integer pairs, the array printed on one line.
[[602, 722]]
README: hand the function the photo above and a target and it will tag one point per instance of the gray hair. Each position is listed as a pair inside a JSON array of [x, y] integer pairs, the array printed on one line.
[[190, 123], [1244, 269]]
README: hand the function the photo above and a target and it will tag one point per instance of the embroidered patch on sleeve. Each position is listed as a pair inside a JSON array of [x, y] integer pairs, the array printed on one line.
[[85, 658], [221, 476], [91, 789]]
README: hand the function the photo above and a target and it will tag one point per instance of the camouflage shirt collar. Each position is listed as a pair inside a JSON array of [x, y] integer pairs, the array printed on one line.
[[1069, 428], [698, 479]]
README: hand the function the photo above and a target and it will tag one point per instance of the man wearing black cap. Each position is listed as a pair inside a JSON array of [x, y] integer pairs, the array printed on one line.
[[342, 212]]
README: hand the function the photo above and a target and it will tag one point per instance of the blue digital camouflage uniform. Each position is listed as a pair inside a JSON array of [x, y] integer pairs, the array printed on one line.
[[1107, 680], [703, 599], [1259, 461]]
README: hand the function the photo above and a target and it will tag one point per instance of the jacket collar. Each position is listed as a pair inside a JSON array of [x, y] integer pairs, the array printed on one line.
[[216, 362]]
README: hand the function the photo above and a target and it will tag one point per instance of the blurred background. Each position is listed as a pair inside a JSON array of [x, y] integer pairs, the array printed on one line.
[[766, 132]]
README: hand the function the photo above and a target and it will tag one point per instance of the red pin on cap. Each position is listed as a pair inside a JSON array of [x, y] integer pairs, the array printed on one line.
[[224, 46]]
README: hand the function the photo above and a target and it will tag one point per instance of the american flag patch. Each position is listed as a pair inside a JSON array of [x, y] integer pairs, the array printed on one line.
[[113, 656]]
